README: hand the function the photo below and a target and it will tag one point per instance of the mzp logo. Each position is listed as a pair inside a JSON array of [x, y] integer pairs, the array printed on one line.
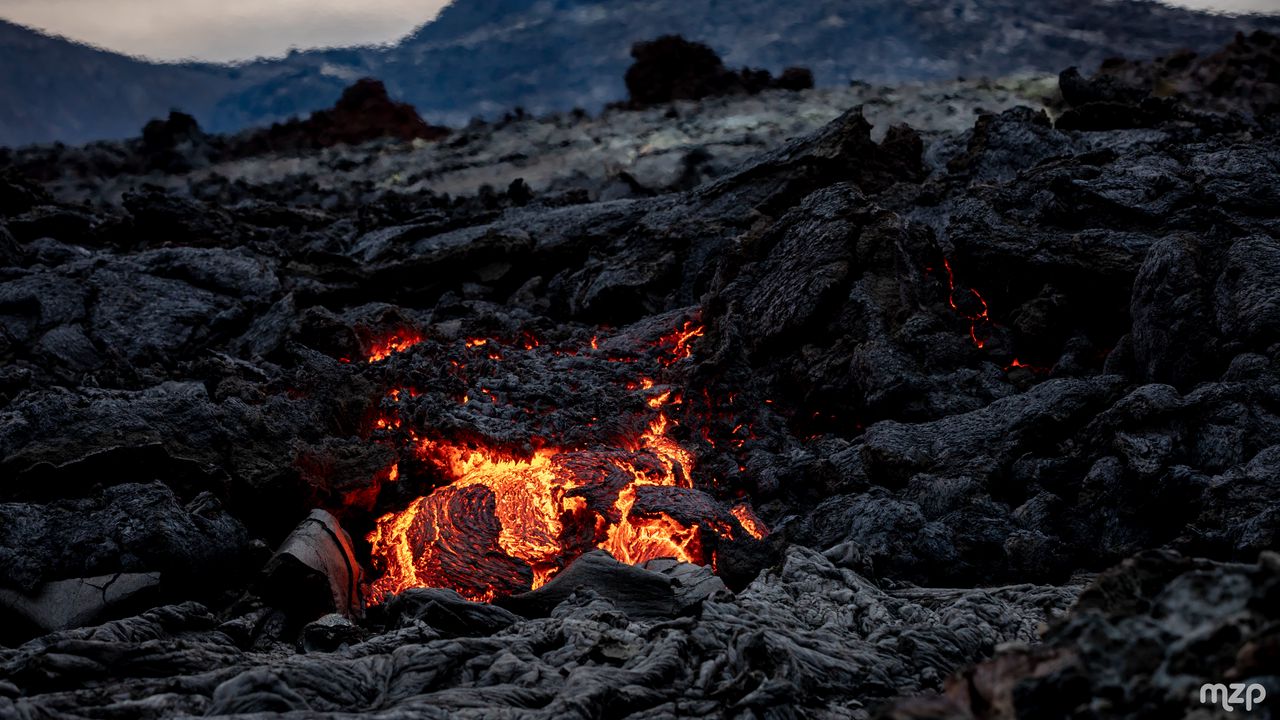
[[1231, 695]]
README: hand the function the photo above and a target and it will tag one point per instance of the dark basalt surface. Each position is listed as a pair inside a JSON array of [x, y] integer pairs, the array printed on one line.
[[1010, 398]]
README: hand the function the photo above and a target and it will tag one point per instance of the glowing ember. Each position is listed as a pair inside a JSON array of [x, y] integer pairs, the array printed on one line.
[[752, 524], [1018, 364], [975, 316], [399, 342], [679, 342]]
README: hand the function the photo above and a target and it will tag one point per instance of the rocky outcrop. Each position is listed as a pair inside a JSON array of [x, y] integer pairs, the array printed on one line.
[[1139, 642], [1243, 77], [363, 113], [672, 68]]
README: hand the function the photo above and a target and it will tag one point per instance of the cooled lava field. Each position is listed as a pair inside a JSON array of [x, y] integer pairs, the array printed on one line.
[[946, 401]]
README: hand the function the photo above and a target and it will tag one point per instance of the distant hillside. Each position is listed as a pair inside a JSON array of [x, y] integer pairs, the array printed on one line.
[[482, 57], [52, 89]]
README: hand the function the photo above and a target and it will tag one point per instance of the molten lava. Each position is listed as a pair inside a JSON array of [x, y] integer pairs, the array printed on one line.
[[542, 522], [679, 342], [638, 539], [1018, 364], [506, 522], [530, 502], [754, 526], [399, 342], [976, 314]]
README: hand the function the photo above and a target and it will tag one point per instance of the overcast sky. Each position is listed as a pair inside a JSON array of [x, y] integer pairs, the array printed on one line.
[[243, 29], [222, 29]]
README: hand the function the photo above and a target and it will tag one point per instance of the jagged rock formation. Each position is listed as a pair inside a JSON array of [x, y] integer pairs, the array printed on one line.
[[974, 384], [672, 68], [1242, 77], [363, 113]]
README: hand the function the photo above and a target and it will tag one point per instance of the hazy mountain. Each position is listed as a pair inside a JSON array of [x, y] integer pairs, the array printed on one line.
[[482, 57]]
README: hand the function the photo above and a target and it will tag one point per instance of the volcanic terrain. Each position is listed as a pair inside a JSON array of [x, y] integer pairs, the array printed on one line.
[[955, 400]]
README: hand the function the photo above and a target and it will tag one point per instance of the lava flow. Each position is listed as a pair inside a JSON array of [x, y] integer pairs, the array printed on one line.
[[507, 522], [976, 315], [398, 342]]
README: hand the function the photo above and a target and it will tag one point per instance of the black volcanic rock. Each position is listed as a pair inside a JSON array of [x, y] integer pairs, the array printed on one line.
[[363, 113], [1242, 77], [672, 68], [130, 527], [18, 194], [1150, 625], [171, 145]]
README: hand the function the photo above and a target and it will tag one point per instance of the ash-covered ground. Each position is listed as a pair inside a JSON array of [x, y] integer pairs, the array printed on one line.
[[947, 401]]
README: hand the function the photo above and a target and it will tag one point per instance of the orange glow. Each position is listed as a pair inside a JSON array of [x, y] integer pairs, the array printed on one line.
[[679, 342], [639, 539], [1019, 364], [532, 499], [507, 521], [974, 319], [399, 342], [754, 526]]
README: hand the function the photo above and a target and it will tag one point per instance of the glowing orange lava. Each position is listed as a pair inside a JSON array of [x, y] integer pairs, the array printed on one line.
[[524, 516], [1035, 369], [679, 342], [975, 318], [532, 499], [399, 342], [639, 539], [754, 526]]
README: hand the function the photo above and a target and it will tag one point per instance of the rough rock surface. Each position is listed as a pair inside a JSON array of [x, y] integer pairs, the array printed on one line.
[[803, 639], [1004, 396], [1242, 77], [1138, 643], [615, 154]]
